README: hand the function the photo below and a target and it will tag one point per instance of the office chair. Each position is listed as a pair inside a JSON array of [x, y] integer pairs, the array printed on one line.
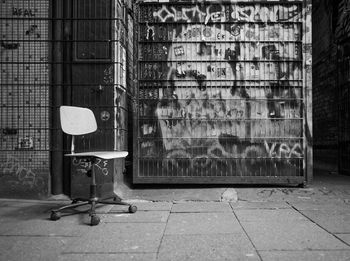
[[79, 121]]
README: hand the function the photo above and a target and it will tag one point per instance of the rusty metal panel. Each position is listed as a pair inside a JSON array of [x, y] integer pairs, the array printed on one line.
[[221, 92]]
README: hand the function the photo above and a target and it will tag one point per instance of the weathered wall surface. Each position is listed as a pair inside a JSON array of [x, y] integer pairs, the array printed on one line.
[[102, 83], [342, 36], [331, 69], [221, 90], [24, 98], [325, 110]]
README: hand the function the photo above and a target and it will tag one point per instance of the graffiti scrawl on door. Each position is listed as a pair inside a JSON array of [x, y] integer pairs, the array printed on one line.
[[220, 90]]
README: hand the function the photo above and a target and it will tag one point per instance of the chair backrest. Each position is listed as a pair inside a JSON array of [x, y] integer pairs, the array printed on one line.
[[77, 120]]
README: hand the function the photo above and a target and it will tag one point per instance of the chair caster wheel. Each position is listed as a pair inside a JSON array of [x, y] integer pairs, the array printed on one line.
[[55, 215], [95, 220], [132, 209]]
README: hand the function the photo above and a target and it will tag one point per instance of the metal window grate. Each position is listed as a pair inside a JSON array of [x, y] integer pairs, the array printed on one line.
[[83, 61], [221, 92], [24, 95]]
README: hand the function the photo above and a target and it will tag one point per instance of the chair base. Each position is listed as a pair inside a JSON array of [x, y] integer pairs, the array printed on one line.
[[95, 220], [93, 199]]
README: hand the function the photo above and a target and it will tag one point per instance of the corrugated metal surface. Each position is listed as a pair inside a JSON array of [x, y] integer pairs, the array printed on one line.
[[24, 98], [224, 92]]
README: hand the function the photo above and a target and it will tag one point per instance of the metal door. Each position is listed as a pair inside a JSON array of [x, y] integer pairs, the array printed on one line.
[[224, 92]]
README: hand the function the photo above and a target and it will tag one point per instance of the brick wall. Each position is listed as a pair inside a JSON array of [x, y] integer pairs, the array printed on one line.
[[325, 93], [331, 33]]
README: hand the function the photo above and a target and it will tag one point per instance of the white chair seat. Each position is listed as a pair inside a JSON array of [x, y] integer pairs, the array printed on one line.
[[100, 154]]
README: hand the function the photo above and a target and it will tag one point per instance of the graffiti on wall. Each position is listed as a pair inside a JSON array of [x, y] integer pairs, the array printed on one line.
[[222, 13], [221, 88], [15, 173], [24, 110]]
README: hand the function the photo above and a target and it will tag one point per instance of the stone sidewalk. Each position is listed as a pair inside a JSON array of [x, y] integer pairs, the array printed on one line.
[[270, 223]]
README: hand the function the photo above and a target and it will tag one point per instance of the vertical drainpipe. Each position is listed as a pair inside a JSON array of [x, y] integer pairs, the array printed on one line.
[[67, 86], [57, 98]]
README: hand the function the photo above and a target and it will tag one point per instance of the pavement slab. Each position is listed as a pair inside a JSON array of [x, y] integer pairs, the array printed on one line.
[[31, 248], [25, 212], [148, 206], [29, 203], [138, 217], [259, 205], [272, 194], [195, 193], [288, 194], [5, 225], [65, 227], [195, 207], [344, 237], [8, 218], [291, 235], [26, 221], [331, 205], [276, 215], [283, 223], [3, 203], [119, 237], [207, 248], [100, 209], [331, 220], [202, 223], [109, 257], [305, 255]]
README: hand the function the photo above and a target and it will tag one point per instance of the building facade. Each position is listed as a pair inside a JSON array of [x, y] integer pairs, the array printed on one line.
[[224, 92], [331, 81], [197, 92]]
